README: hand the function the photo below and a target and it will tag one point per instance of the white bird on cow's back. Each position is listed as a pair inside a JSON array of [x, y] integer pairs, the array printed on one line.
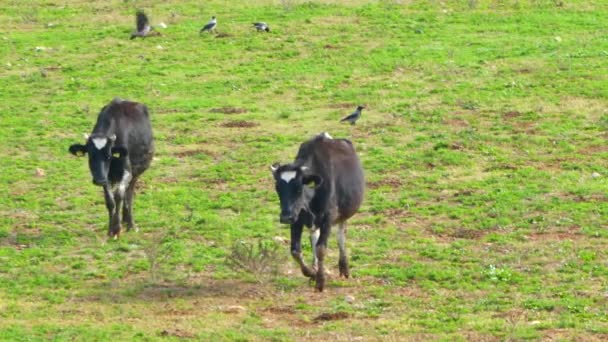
[[261, 26], [354, 116], [211, 25], [143, 28]]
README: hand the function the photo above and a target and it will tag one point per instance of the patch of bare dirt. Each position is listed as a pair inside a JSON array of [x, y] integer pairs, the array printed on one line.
[[597, 197], [342, 105], [456, 122], [239, 123], [391, 182], [411, 291], [462, 193], [281, 310], [175, 312], [511, 114], [229, 110], [223, 35], [396, 213], [177, 333], [593, 149], [278, 316], [456, 146], [188, 153], [330, 47], [525, 127], [166, 110], [333, 316], [471, 234], [572, 233]]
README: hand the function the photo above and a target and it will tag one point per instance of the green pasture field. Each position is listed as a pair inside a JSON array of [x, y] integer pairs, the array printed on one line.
[[484, 144]]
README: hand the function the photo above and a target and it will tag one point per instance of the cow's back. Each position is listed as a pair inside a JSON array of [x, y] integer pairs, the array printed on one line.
[[336, 161], [130, 122]]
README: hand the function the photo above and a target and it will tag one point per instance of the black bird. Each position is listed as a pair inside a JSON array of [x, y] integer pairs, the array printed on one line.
[[352, 118], [261, 26], [143, 26], [210, 26]]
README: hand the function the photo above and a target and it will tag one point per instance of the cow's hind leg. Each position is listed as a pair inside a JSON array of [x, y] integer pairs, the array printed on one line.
[[296, 248], [127, 207], [343, 261]]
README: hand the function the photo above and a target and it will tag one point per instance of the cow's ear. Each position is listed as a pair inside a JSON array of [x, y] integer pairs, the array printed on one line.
[[313, 181], [274, 167], [78, 150], [121, 151]]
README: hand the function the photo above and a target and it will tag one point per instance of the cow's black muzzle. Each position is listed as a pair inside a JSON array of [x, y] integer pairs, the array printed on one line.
[[100, 182], [287, 218]]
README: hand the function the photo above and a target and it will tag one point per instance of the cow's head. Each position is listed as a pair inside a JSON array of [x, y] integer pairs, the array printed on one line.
[[100, 149], [296, 188]]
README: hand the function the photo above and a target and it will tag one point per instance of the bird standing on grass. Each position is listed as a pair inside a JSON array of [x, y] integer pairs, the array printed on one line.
[[261, 26], [143, 26], [352, 118], [210, 26]]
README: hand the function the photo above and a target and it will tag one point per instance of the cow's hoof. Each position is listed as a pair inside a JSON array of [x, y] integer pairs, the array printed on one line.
[[132, 227], [306, 271], [114, 234], [344, 271], [320, 281]]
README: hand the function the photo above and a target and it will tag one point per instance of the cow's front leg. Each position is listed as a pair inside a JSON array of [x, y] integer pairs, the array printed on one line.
[[114, 222], [296, 248], [321, 250], [127, 207], [314, 238]]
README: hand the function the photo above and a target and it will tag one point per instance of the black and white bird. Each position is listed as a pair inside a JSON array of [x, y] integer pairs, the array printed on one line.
[[352, 118], [143, 28], [211, 25], [261, 26]]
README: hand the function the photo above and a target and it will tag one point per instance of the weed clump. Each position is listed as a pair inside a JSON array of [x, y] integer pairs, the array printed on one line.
[[261, 259]]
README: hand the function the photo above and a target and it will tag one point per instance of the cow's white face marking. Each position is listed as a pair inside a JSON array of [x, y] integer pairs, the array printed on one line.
[[99, 142], [325, 134], [287, 176]]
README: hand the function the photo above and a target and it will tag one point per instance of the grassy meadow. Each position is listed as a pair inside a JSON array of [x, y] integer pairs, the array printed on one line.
[[484, 144]]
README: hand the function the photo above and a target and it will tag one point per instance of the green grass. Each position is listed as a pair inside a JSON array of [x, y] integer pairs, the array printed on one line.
[[483, 141]]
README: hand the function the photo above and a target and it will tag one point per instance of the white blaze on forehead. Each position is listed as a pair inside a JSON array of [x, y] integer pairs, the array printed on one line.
[[287, 176], [99, 142], [325, 134]]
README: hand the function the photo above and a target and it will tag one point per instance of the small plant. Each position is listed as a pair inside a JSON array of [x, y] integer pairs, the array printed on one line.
[[498, 274], [260, 260], [604, 121], [288, 5], [156, 254]]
